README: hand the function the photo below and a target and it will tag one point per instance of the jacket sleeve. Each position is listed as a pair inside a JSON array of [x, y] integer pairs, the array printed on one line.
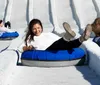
[[20, 47]]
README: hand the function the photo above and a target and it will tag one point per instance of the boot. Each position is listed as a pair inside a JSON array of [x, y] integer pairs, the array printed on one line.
[[69, 33], [86, 34]]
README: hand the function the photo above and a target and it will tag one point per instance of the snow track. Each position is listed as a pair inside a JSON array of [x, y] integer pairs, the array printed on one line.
[[52, 13], [63, 13], [19, 18]]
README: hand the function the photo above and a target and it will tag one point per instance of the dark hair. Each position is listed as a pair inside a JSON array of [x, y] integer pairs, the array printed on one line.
[[96, 21], [1, 21], [94, 25], [30, 34]]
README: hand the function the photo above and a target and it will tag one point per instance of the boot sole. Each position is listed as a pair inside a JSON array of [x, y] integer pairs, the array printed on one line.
[[89, 30], [68, 29]]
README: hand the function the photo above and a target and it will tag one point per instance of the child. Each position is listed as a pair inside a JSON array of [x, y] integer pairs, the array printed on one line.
[[96, 29], [5, 32], [35, 39]]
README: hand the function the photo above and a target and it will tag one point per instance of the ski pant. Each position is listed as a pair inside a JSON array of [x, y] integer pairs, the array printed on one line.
[[61, 44]]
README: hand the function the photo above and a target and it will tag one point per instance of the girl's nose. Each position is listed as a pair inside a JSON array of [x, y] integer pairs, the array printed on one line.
[[37, 30]]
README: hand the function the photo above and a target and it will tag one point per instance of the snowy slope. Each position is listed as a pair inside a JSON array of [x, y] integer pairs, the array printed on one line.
[[52, 13], [18, 14], [85, 12], [2, 8], [63, 13]]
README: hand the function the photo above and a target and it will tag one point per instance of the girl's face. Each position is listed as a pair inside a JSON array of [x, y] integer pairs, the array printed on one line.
[[37, 29], [96, 29]]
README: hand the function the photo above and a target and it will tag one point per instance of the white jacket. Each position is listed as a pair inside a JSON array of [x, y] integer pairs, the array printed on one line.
[[41, 42]]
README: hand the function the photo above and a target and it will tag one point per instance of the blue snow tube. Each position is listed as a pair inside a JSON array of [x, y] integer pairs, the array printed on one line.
[[9, 35], [40, 58], [75, 53]]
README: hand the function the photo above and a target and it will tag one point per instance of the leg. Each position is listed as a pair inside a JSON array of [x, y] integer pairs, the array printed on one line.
[[61, 44], [86, 34], [69, 32], [8, 24]]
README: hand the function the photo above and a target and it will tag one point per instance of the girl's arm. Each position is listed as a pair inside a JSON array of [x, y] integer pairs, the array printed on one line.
[[22, 47]]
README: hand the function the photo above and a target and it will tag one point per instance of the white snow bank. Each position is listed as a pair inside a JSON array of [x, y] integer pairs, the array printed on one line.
[[8, 60], [19, 14], [2, 9], [24, 75], [85, 12], [30, 10], [63, 13], [97, 7], [93, 51], [9, 10]]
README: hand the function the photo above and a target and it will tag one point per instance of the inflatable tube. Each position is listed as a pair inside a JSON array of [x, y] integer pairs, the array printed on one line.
[[9, 35], [10, 38], [52, 58], [35, 63]]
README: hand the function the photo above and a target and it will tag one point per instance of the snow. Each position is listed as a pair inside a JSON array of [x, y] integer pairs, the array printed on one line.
[[64, 14], [2, 8], [8, 10], [85, 11], [52, 13]]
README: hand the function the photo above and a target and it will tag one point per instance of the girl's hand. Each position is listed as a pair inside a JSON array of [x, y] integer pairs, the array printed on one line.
[[25, 48], [30, 47]]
